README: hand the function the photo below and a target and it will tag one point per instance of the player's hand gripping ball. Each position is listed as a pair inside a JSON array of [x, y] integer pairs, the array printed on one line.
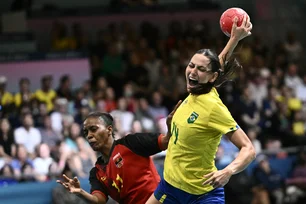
[[227, 19]]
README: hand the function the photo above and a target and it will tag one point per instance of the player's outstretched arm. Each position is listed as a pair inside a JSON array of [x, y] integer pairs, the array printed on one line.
[[73, 186], [165, 138], [237, 34]]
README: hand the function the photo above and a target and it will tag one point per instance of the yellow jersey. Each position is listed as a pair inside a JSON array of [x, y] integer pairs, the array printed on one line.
[[46, 97], [6, 99], [18, 99], [196, 129]]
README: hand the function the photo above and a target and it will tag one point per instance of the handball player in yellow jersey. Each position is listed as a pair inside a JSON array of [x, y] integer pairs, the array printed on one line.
[[190, 175]]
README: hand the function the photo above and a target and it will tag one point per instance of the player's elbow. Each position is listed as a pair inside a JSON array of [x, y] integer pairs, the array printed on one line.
[[251, 152]]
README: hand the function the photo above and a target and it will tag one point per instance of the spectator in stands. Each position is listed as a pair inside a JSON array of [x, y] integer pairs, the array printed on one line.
[[48, 135], [268, 183], [296, 184], [42, 162], [60, 114], [27, 134], [143, 115], [7, 146], [153, 66], [82, 111], [258, 90], [129, 95], [252, 134], [293, 47], [292, 79], [167, 86], [110, 99], [6, 98], [136, 73], [301, 90], [269, 110], [21, 159], [7, 176], [124, 116], [84, 160], [59, 38], [42, 112], [227, 152], [112, 67], [157, 109], [74, 133], [64, 89], [46, 93], [27, 173], [298, 129], [24, 95], [249, 113]]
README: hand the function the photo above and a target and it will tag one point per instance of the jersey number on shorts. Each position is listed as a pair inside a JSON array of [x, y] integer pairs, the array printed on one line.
[[175, 130]]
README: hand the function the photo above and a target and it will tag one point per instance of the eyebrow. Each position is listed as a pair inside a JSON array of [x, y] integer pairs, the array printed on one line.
[[199, 66]]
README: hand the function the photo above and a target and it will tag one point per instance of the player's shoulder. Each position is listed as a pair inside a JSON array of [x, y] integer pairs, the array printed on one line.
[[93, 172]]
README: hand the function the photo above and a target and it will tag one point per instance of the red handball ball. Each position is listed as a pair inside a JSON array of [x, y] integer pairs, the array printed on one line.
[[227, 19]]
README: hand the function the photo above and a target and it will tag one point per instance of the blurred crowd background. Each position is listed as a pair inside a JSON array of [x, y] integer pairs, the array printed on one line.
[[136, 73]]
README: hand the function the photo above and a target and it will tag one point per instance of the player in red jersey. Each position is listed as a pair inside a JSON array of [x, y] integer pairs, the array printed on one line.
[[125, 171]]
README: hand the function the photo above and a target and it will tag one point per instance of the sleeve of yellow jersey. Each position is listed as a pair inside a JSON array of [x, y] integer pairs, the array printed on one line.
[[221, 119]]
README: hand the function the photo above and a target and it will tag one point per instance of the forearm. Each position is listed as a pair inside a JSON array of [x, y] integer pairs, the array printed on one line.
[[90, 198], [244, 158], [228, 50]]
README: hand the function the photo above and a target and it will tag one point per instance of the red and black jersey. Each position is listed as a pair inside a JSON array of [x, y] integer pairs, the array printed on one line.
[[129, 176]]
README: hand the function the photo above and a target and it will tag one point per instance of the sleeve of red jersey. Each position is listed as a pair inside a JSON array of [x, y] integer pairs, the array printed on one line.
[[144, 144], [95, 185]]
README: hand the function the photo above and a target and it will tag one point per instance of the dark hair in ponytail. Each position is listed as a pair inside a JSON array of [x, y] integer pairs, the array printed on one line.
[[225, 72]]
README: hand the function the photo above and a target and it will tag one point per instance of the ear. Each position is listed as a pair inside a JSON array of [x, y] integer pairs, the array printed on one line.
[[215, 76], [110, 130]]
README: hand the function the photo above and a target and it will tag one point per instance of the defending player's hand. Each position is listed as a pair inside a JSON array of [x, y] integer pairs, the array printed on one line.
[[72, 185], [242, 31], [217, 179], [170, 116]]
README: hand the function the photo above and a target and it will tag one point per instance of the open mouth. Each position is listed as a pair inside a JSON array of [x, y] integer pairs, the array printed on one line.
[[193, 82], [92, 144]]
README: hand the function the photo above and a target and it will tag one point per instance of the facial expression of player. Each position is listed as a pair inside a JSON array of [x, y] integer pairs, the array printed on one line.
[[199, 73], [96, 133]]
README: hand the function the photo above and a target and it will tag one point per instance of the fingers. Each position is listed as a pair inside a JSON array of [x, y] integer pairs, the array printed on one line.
[[249, 28], [66, 178], [235, 23], [60, 182], [63, 184], [76, 180], [209, 175], [244, 21], [208, 181]]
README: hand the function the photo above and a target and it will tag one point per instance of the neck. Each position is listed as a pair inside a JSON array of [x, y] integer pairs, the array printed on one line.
[[27, 128], [105, 151], [202, 88]]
